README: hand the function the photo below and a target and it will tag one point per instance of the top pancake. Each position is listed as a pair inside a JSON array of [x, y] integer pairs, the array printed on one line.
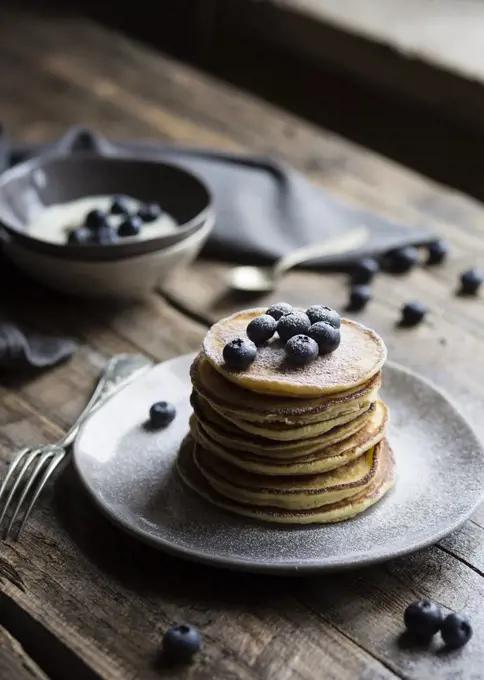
[[359, 357]]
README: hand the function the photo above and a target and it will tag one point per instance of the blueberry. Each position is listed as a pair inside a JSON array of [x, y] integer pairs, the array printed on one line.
[[104, 235], [413, 313], [423, 618], [261, 329], [239, 353], [80, 236], [131, 226], [292, 324], [162, 414], [327, 337], [181, 643], [470, 281], [456, 630], [301, 350], [95, 219], [437, 252], [402, 260], [149, 212], [119, 206], [320, 313], [364, 271], [359, 297], [279, 309]]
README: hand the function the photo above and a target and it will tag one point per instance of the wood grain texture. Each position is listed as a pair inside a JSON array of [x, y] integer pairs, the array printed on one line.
[[99, 601], [14, 662]]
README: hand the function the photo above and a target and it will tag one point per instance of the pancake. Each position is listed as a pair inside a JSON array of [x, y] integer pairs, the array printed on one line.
[[333, 512], [228, 435], [359, 357], [234, 401], [281, 431], [333, 412], [292, 493], [322, 460]]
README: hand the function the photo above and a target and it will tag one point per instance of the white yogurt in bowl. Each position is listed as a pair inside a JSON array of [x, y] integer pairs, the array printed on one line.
[[55, 222]]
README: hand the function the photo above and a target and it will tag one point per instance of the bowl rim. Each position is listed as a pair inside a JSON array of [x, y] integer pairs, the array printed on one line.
[[110, 251], [202, 232]]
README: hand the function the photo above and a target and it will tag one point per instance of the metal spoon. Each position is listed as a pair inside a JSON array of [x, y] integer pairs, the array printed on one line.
[[264, 279]]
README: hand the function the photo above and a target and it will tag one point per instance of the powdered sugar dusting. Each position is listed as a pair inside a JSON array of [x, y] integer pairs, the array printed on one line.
[[360, 355]]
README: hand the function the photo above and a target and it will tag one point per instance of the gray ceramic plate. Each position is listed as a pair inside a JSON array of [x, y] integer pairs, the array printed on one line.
[[129, 473]]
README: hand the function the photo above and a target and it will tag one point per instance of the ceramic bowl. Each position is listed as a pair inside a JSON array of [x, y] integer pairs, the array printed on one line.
[[53, 178], [128, 278]]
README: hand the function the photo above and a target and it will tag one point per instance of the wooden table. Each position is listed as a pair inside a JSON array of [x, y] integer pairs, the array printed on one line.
[[79, 599]]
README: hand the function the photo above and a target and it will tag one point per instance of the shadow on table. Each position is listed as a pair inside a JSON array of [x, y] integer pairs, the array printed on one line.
[[144, 569]]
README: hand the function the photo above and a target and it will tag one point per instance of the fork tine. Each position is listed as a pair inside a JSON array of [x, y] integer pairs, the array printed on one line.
[[31, 480], [58, 458], [11, 469], [28, 460]]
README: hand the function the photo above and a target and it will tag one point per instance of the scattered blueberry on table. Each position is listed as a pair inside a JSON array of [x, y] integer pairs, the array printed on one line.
[[162, 414], [279, 309], [471, 280], [423, 618], [360, 295], [149, 212], [301, 350], [456, 630], [326, 336], [318, 313], [296, 323], [130, 226], [181, 643], [413, 313], [437, 252], [239, 353], [365, 270], [261, 329], [402, 260]]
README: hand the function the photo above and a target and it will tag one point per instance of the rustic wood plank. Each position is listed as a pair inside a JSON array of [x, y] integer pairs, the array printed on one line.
[[369, 605], [14, 662]]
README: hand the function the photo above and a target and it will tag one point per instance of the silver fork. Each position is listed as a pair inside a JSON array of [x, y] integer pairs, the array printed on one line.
[[31, 469]]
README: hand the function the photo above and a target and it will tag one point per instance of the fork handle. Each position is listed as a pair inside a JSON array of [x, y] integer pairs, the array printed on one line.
[[120, 370]]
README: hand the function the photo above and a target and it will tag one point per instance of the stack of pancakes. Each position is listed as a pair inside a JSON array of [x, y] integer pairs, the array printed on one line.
[[289, 444]]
